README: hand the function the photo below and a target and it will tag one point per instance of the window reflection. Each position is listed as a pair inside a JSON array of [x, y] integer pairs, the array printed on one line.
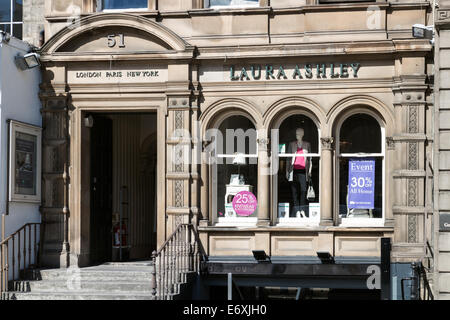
[[360, 142], [297, 194], [124, 4]]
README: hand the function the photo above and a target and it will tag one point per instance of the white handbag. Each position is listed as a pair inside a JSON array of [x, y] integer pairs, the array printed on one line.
[[310, 195]]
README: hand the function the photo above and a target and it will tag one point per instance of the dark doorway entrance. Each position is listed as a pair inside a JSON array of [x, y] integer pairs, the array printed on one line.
[[123, 156], [101, 190]]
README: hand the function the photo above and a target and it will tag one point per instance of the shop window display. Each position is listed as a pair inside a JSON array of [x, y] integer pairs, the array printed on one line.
[[234, 169], [297, 194], [361, 166]]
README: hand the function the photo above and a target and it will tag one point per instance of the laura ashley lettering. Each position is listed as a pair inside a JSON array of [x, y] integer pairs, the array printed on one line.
[[305, 71]]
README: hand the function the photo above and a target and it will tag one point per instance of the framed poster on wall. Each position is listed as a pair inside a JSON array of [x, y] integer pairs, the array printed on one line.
[[24, 162]]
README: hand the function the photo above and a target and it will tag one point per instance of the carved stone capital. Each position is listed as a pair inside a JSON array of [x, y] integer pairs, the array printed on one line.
[[205, 144], [262, 144], [390, 143], [327, 143]]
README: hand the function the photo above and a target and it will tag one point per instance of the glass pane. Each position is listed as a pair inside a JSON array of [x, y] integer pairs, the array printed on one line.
[[17, 30], [124, 4], [25, 166], [287, 133], [238, 136], [230, 180], [293, 190], [5, 27], [363, 185], [17, 10], [242, 3], [5, 10], [360, 133]]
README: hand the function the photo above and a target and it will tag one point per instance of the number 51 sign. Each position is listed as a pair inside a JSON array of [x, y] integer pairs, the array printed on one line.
[[361, 184]]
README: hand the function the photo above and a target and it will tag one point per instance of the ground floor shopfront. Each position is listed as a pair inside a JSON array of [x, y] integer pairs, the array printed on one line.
[[158, 133]]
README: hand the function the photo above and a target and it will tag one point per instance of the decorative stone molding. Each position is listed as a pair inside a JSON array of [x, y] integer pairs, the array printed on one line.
[[262, 144], [178, 193], [443, 16], [178, 120], [390, 143], [327, 143], [413, 119], [178, 150]]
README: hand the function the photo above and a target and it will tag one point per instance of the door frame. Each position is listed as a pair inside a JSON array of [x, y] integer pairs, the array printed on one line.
[[79, 193]]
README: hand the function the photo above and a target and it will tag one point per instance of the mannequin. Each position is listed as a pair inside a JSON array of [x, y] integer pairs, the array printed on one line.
[[298, 171]]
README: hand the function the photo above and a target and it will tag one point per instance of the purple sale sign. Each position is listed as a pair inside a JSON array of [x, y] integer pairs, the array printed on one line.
[[361, 184]]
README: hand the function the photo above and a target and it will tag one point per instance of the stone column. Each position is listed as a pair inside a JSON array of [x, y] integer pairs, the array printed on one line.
[[389, 184], [204, 190], [326, 182], [263, 183]]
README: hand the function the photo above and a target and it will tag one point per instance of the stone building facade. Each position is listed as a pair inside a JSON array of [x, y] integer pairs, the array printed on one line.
[[33, 21], [350, 74], [441, 160]]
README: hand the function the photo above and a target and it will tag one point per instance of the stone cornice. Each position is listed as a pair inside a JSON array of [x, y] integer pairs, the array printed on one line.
[[129, 56], [315, 49], [258, 10]]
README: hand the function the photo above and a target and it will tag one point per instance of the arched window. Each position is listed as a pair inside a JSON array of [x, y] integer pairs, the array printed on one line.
[[360, 163], [122, 4], [298, 172], [234, 166]]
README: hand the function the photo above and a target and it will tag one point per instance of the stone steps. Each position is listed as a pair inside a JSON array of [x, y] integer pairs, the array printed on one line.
[[72, 273], [110, 281], [81, 286], [93, 295]]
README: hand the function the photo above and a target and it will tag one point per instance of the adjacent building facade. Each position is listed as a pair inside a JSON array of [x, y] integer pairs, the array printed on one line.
[[19, 103], [441, 159], [138, 95]]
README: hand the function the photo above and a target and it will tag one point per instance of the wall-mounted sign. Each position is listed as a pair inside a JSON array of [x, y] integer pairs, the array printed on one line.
[[24, 162], [157, 74], [361, 184], [444, 222], [295, 72]]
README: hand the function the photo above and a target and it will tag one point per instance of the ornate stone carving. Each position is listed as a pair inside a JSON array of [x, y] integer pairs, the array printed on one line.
[[178, 193], [412, 219], [412, 156], [327, 143], [443, 14], [413, 128], [412, 165], [178, 150], [412, 228], [262, 144], [178, 119], [178, 220], [390, 143]]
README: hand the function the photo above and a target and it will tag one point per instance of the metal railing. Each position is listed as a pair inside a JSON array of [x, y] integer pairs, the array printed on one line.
[[177, 257], [420, 287], [23, 245]]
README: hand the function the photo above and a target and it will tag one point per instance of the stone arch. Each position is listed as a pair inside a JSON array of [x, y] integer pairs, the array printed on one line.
[[91, 22], [284, 108], [363, 104], [224, 108]]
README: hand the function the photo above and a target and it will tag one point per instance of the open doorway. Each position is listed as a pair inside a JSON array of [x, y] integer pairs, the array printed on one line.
[[122, 186]]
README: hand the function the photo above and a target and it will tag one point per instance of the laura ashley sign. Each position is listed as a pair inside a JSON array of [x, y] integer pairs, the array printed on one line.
[[296, 72], [118, 76]]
